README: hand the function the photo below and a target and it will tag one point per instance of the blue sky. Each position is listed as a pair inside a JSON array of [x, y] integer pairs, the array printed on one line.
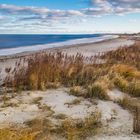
[[51, 4], [69, 16]]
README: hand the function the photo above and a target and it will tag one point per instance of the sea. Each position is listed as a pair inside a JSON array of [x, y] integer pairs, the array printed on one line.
[[18, 43]]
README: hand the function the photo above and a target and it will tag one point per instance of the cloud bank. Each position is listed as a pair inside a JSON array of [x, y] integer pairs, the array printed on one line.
[[118, 6], [100, 7], [13, 16]]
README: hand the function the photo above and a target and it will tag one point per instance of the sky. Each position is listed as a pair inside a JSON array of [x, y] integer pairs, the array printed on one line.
[[69, 16]]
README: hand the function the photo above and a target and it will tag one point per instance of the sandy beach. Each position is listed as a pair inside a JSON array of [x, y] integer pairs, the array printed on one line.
[[95, 48]]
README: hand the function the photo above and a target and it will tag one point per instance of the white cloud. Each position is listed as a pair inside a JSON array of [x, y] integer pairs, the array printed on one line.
[[118, 6], [100, 7], [43, 11], [30, 18]]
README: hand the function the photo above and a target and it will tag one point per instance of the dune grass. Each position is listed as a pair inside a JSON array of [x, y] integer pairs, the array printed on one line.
[[51, 70], [77, 129], [16, 134], [98, 91], [68, 128]]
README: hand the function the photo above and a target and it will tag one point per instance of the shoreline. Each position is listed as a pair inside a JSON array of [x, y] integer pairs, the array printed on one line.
[[27, 50], [63, 48], [87, 50]]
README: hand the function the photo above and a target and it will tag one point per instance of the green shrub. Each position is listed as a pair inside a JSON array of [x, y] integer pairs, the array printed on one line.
[[134, 89], [125, 103], [121, 83], [98, 91]]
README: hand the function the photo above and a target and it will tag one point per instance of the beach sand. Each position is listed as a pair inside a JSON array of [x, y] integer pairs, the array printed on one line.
[[95, 48]]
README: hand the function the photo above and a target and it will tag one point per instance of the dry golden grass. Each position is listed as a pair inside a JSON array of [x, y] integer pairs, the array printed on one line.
[[121, 83], [126, 55], [105, 82], [57, 69], [75, 129], [96, 90], [71, 129], [134, 88], [16, 134], [76, 90], [126, 71]]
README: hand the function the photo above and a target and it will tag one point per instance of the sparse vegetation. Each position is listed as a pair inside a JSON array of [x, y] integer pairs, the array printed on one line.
[[125, 102], [74, 102], [60, 116], [37, 100], [75, 129], [71, 129]]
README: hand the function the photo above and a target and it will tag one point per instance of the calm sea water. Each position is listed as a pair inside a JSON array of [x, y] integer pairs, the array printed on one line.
[[13, 41]]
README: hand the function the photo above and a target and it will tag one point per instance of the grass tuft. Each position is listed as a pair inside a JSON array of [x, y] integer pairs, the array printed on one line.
[[96, 90]]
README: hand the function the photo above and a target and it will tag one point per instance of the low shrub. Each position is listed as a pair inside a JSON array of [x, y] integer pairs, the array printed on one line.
[[125, 103], [121, 83], [134, 89], [96, 90], [76, 129], [125, 70], [105, 82], [76, 90]]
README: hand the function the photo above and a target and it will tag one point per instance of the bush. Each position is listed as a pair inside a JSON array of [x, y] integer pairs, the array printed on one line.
[[134, 89], [121, 83], [105, 82], [98, 91], [125, 70], [76, 90], [125, 103]]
